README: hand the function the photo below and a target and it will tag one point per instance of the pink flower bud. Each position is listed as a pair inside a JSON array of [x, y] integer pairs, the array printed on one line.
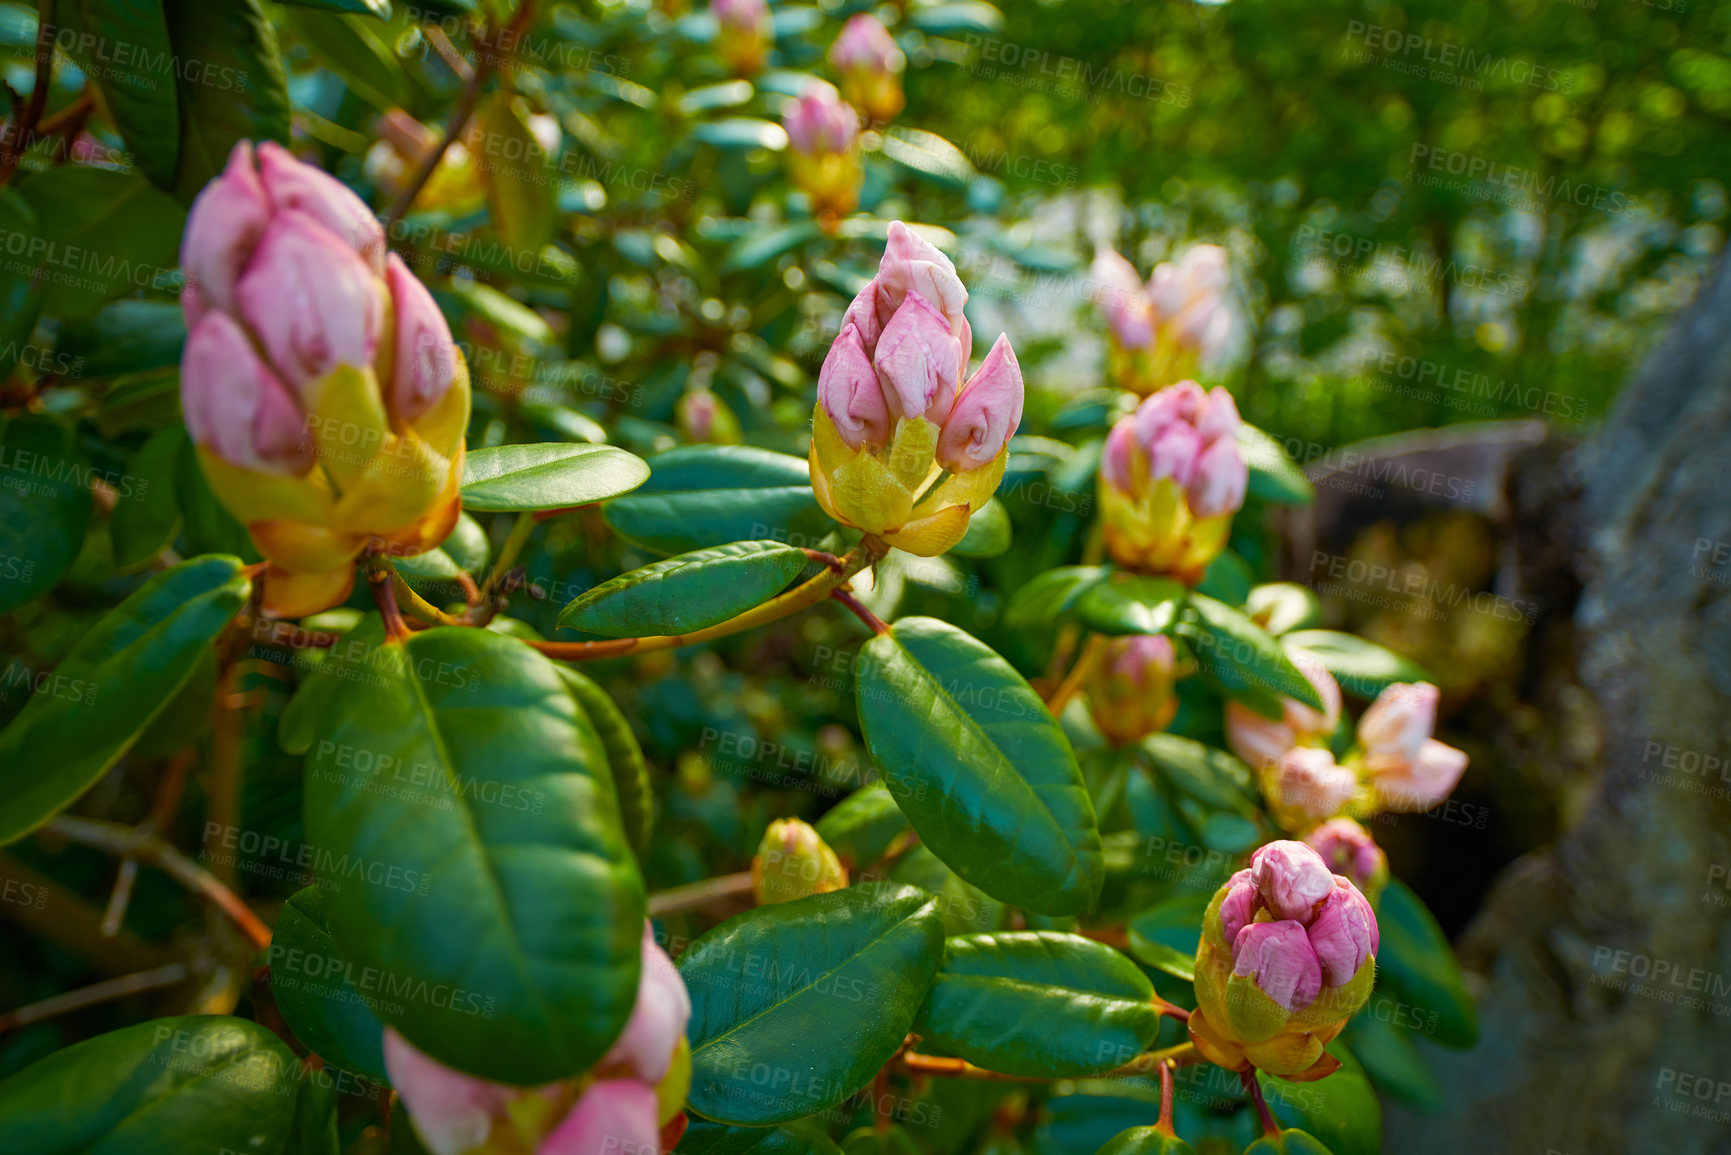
[[227, 221], [1307, 781], [1262, 741], [1220, 481], [1219, 419], [1399, 721], [306, 189], [741, 15], [1120, 295], [426, 361], [313, 303], [614, 1117], [917, 359], [912, 264], [1343, 934], [851, 394], [453, 1113], [986, 413], [658, 1017], [865, 44], [1183, 403], [1118, 465], [1349, 851], [1238, 909], [1291, 878], [1202, 273], [1173, 452], [235, 406], [819, 122], [1142, 658], [1421, 782], [1279, 957]]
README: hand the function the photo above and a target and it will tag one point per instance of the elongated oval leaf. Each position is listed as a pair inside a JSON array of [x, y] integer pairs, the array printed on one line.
[[1392, 1060], [106, 692], [1206, 774], [795, 1006], [313, 986], [1127, 603], [1039, 1003], [1241, 657], [706, 495], [122, 46], [504, 931], [979, 767], [193, 1083], [705, 1138], [1362, 668], [624, 757], [1282, 607], [1417, 965], [237, 92], [44, 506], [988, 532], [1166, 935], [1345, 1118], [861, 826], [687, 592], [121, 216], [1052, 595], [147, 517], [1274, 476], [510, 478], [1146, 1141]]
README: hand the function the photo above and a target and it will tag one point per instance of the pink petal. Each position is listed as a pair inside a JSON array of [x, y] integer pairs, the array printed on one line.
[[304, 188], [986, 413], [1220, 481], [614, 1117], [658, 1018], [235, 406], [1400, 720], [918, 361], [1280, 958], [311, 301], [1292, 879], [1344, 934], [426, 360], [453, 1113], [851, 394], [226, 223]]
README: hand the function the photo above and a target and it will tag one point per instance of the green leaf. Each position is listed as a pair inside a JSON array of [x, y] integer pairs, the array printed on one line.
[[354, 50], [1241, 657], [979, 766], [108, 233], [1052, 595], [1363, 669], [522, 189], [206, 525], [1127, 603], [506, 925], [166, 1087], [742, 132], [21, 281], [687, 592], [1039, 1003], [147, 516], [1146, 1141], [988, 532], [122, 47], [705, 1138], [760, 248], [861, 826], [1392, 1060], [1281, 607], [1288, 1142], [1273, 475], [312, 984], [235, 91], [796, 1005], [44, 506], [1228, 579], [112, 685], [1166, 935], [706, 495], [126, 336], [378, 8], [1340, 1111], [508, 478], [1416, 964], [951, 19], [1206, 774], [624, 757]]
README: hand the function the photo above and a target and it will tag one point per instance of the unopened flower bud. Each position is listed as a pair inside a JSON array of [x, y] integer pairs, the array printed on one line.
[[614, 1115], [1408, 769], [793, 861], [1130, 691], [745, 33], [1177, 324], [871, 67], [1343, 934], [1171, 478], [1306, 786], [702, 416], [1350, 852], [1291, 878], [822, 157], [1261, 742]]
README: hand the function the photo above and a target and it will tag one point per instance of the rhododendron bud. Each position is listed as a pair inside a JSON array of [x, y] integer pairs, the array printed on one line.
[[822, 157], [1176, 324], [1262, 742], [702, 416], [1350, 852], [320, 382], [1306, 786], [1130, 690], [614, 1117], [1422, 781], [793, 861], [1408, 769], [871, 67], [658, 1018], [1171, 477], [745, 33], [901, 447], [1399, 721], [453, 1113], [1287, 955]]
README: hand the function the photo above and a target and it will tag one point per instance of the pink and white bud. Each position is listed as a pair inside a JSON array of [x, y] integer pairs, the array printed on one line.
[[614, 1117], [1262, 741], [850, 392], [1220, 482], [734, 16], [1309, 784], [311, 300], [235, 406], [1399, 721], [1343, 934], [819, 122], [1118, 464], [426, 357], [986, 413], [453, 1113], [917, 360], [1238, 909], [303, 188], [1279, 958], [912, 264], [1350, 852], [227, 221], [865, 45], [658, 1017], [1119, 292], [1423, 781], [1291, 878]]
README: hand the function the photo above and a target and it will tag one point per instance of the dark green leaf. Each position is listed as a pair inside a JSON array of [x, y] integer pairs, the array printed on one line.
[[1206, 774], [108, 233], [312, 984], [21, 282], [1127, 603], [705, 1138], [1341, 1111], [1038, 1003], [705, 495], [979, 766], [113, 684], [127, 336], [1392, 1060], [1241, 656], [1273, 475], [1228, 579], [988, 532], [796, 1005], [231, 85], [1363, 669], [687, 592], [1050, 596], [1288, 1142], [861, 826], [378, 8], [534, 477], [950, 19], [624, 757], [122, 47], [352, 47], [1146, 1141], [147, 517], [1166, 935], [44, 506], [1416, 964], [509, 917]]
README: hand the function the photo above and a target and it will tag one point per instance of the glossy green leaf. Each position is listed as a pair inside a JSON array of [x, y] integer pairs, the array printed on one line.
[[1241, 656], [742, 132], [1274, 476], [988, 532], [236, 90], [688, 592], [1038, 1003], [1340, 1115], [706, 495], [964, 907], [624, 757], [1052, 595], [1391, 1059], [1363, 669], [166, 1087], [1166, 935], [1288, 1142], [125, 336], [45, 506], [146, 517], [110, 687], [505, 924], [861, 826], [514, 168], [116, 231], [762, 247], [705, 1138], [510, 478], [352, 47], [312, 984], [1416, 964], [21, 283], [122, 46], [1228, 579], [1281, 607], [979, 766], [1146, 1141], [796, 1005], [1201, 771], [1126, 603], [964, 17]]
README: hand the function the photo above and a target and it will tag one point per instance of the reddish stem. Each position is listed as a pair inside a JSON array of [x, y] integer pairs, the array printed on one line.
[[1270, 1128], [872, 621]]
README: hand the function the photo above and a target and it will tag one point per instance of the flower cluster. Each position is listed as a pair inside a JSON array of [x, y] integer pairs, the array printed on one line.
[[1176, 324], [1171, 478], [901, 447], [631, 1101], [320, 382], [871, 67], [1288, 954], [822, 132]]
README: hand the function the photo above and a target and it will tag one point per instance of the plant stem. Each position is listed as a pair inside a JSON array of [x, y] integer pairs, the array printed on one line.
[[1182, 1055], [420, 607], [872, 621], [1092, 650], [19, 134], [380, 578], [918, 1064], [102, 992], [514, 543], [1172, 1009], [695, 895], [161, 814], [1270, 1128]]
